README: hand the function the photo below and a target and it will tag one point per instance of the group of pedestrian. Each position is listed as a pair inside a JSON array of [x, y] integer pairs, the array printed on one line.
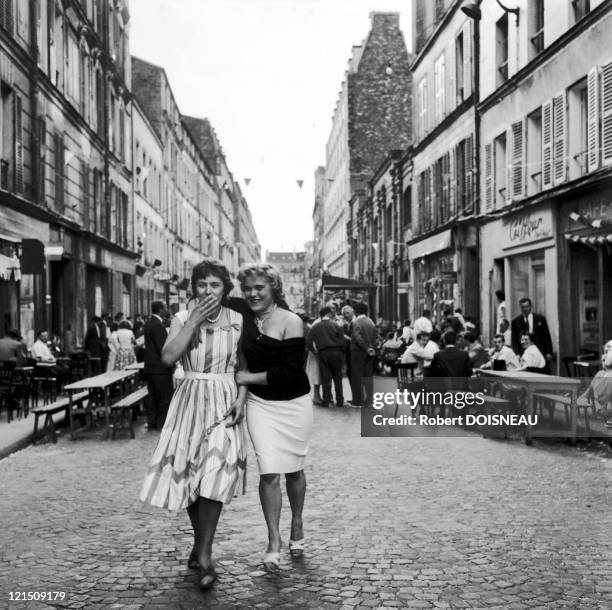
[[338, 343], [234, 352]]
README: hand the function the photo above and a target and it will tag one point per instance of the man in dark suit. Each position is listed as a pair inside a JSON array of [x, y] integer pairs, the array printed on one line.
[[535, 324], [452, 362], [326, 339], [363, 350], [157, 374], [93, 342]]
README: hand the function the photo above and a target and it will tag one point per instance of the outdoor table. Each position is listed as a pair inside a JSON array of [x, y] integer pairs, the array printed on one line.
[[102, 382], [135, 366], [536, 382]]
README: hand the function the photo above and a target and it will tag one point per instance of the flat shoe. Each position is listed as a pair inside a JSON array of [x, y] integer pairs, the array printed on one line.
[[192, 562], [271, 562], [296, 547], [207, 578]]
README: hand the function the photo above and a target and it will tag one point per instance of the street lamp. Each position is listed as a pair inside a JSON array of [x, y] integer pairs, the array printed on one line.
[[472, 10]]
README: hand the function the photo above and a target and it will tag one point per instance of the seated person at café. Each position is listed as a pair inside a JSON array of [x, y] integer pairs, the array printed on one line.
[[477, 353], [12, 347], [532, 359], [504, 330], [501, 357], [391, 350], [422, 352], [600, 388], [40, 351]]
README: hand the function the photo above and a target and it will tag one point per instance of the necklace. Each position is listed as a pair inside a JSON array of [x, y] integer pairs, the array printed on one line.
[[214, 320], [259, 321]]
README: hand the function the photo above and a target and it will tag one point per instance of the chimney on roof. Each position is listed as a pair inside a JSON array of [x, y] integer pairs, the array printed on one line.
[[381, 18]]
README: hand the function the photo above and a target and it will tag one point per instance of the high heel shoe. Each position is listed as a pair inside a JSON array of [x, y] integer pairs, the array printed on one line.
[[207, 578], [296, 547], [192, 562], [271, 561]]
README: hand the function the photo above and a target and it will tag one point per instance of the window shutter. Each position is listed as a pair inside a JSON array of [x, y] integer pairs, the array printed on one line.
[[489, 186], [6, 15], [452, 182], [85, 192], [59, 172], [42, 173], [427, 189], [517, 173], [593, 120], [18, 123], [469, 174], [559, 138], [467, 58], [451, 96], [606, 114], [547, 137]]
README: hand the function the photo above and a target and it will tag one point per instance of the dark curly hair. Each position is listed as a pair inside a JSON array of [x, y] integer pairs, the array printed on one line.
[[212, 266]]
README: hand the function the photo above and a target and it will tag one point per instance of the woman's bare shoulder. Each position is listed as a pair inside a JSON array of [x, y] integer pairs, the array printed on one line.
[[292, 324]]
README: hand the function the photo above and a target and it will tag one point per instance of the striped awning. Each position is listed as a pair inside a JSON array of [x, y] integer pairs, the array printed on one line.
[[589, 237]]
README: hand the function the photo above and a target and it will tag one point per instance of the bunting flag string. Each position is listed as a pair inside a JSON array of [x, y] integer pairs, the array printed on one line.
[[247, 181], [300, 182]]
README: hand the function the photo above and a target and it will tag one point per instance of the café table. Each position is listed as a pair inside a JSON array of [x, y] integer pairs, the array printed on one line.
[[102, 382], [536, 382], [135, 366]]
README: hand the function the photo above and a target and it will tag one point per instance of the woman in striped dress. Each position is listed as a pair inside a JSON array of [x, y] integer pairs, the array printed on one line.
[[201, 456]]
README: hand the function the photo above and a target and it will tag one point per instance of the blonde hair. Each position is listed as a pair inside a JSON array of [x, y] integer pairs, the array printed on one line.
[[272, 276]]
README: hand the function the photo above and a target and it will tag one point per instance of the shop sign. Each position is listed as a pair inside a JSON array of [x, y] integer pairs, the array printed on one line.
[[595, 208], [527, 227]]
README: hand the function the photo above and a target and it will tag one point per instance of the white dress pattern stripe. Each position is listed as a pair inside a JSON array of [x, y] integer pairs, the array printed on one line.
[[197, 455]]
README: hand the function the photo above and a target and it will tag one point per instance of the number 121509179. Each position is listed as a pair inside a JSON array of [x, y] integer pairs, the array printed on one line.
[[15, 596]]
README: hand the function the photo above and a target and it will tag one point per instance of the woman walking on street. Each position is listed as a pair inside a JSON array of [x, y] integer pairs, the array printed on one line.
[[200, 457], [279, 409]]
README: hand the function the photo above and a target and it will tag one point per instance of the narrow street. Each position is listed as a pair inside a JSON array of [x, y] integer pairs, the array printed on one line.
[[390, 522]]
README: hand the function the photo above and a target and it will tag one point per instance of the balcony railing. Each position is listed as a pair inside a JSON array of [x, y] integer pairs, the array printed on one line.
[[4, 174]]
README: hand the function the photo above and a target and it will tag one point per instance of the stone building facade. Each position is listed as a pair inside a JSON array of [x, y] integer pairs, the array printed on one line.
[[371, 117]]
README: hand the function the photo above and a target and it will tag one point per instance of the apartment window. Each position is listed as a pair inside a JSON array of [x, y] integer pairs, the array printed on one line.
[[501, 37], [578, 129], [501, 172], [422, 104], [580, 8], [439, 97], [407, 209], [459, 89], [536, 25], [534, 152]]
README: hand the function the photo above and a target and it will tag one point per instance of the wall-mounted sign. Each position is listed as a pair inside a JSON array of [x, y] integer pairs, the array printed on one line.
[[527, 227]]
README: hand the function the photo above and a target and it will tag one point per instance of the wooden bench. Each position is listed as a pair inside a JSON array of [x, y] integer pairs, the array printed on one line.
[[554, 399], [49, 410], [121, 411]]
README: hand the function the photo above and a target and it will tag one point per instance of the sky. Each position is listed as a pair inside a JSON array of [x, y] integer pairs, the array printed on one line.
[[267, 74]]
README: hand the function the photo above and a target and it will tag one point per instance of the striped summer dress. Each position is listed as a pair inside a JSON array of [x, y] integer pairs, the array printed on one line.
[[197, 455]]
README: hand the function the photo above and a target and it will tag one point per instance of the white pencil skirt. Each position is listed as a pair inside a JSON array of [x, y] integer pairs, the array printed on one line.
[[280, 432]]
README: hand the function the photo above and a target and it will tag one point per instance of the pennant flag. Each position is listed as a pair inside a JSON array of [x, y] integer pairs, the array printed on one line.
[[300, 182], [247, 181]]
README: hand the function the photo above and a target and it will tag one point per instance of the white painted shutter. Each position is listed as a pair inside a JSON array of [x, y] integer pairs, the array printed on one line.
[[18, 126], [593, 120], [467, 59], [470, 173], [547, 139], [516, 183], [606, 114], [489, 177], [559, 138], [451, 96]]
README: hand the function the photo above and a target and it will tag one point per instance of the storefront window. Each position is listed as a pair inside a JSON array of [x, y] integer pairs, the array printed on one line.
[[527, 280]]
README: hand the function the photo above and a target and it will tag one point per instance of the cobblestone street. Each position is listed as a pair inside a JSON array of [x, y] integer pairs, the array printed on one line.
[[390, 522]]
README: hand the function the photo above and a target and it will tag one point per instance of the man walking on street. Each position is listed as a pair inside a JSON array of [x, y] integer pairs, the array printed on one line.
[[158, 375], [529, 322], [327, 340], [363, 349]]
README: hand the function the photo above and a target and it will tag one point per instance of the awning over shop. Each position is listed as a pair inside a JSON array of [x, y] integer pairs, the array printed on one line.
[[343, 283], [592, 237], [435, 243]]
